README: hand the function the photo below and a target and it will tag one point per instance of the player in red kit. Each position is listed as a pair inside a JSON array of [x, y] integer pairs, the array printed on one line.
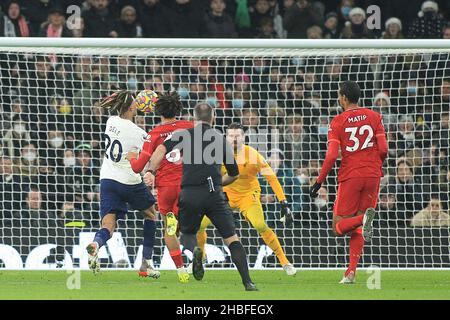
[[359, 132], [168, 175]]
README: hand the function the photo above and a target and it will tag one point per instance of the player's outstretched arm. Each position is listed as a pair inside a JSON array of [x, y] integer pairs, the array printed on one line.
[[330, 159], [157, 157], [286, 213], [266, 170], [274, 184], [271, 177], [138, 163]]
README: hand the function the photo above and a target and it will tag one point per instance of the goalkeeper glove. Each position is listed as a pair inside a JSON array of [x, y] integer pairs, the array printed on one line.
[[314, 192], [286, 214]]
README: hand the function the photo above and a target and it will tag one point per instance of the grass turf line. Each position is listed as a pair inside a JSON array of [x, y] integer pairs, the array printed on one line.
[[223, 285]]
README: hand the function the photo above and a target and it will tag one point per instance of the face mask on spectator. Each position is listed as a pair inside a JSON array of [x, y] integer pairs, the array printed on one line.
[[183, 92], [298, 61], [212, 101], [303, 179], [69, 162], [56, 142], [19, 129], [412, 90], [320, 202], [65, 108], [408, 136], [323, 129], [132, 83], [29, 156], [315, 103], [345, 11], [259, 69], [237, 103], [428, 14]]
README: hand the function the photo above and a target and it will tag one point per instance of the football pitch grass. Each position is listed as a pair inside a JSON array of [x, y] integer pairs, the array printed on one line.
[[224, 285]]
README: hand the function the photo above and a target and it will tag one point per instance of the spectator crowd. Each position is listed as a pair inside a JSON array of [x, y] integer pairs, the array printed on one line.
[[51, 126], [266, 19]]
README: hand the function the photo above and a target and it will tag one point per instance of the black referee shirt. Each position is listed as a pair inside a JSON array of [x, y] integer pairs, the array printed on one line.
[[204, 150]]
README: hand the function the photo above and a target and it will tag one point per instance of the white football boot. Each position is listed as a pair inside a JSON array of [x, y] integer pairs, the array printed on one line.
[[348, 279], [367, 228], [289, 269], [148, 270], [92, 250]]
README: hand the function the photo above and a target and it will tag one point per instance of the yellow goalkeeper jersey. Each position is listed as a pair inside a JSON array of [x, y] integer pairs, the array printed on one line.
[[250, 163]]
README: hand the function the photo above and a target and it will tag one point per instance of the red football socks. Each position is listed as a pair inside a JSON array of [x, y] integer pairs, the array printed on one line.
[[356, 247], [349, 224], [177, 258]]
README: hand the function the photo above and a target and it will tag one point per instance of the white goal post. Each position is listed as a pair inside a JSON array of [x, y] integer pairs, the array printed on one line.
[[284, 92]]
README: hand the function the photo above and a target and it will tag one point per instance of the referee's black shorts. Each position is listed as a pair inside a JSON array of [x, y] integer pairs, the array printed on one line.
[[197, 201]]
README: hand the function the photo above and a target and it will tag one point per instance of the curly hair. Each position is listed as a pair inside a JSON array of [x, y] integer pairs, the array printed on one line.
[[168, 105], [119, 102]]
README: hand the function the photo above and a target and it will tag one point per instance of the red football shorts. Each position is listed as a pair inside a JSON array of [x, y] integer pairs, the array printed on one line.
[[168, 199], [356, 194]]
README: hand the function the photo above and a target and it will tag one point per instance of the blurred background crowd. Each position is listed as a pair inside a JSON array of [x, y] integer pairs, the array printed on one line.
[[51, 127], [268, 19]]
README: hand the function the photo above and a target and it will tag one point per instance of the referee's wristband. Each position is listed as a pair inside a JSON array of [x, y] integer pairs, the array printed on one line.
[[151, 171]]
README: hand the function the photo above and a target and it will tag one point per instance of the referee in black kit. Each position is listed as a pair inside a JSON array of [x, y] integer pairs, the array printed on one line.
[[204, 150]]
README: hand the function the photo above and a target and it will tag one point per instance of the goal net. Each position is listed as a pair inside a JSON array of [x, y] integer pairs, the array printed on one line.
[[52, 146]]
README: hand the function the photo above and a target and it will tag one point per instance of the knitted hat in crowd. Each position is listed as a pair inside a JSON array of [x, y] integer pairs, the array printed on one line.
[[382, 96], [331, 15], [428, 6], [357, 10], [393, 20], [353, 12]]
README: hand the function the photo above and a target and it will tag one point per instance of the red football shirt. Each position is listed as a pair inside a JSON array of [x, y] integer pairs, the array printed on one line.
[[356, 130], [171, 169]]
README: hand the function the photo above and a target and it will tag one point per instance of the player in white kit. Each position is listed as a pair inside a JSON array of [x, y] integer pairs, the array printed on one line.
[[119, 185]]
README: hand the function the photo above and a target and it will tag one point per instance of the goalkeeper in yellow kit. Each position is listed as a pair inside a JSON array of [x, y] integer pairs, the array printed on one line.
[[244, 194]]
